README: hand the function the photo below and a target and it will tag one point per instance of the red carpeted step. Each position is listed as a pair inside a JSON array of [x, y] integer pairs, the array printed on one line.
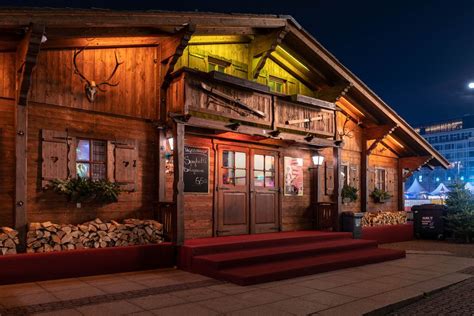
[[270, 254], [234, 243], [273, 271]]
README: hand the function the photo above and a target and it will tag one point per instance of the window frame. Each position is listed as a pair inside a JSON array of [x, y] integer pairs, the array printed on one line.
[[384, 186], [92, 162], [347, 177], [276, 80], [217, 62]]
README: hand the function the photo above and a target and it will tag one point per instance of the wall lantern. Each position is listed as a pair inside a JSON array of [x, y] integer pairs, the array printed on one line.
[[171, 143], [317, 159]]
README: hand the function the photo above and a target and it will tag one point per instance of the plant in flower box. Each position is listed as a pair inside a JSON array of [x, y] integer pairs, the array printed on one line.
[[380, 195], [83, 190], [349, 194]]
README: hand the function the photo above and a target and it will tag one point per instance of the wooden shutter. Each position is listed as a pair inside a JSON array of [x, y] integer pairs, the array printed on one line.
[[390, 180], [122, 163], [58, 156], [372, 175], [329, 178], [354, 176]]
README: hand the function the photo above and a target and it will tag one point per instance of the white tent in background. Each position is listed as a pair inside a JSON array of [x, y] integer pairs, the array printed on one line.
[[440, 190], [415, 189], [469, 187]]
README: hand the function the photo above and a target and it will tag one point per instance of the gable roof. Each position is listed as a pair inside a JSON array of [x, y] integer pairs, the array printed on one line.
[[360, 95]]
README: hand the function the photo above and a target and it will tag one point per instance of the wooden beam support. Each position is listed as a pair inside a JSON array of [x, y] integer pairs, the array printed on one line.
[[414, 163], [261, 49], [364, 175], [27, 54], [400, 187], [303, 75], [334, 93], [172, 50], [337, 182], [178, 183], [377, 134]]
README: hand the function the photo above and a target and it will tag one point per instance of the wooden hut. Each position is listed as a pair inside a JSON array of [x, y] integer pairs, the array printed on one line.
[[213, 124]]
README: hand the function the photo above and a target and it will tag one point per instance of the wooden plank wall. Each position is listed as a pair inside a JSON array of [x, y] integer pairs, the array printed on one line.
[[44, 206], [55, 82], [7, 137]]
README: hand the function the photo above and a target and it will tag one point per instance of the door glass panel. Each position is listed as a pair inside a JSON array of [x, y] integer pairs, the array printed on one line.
[[269, 179], [228, 159], [258, 162], [228, 176], [240, 176], [258, 178], [240, 160], [269, 163]]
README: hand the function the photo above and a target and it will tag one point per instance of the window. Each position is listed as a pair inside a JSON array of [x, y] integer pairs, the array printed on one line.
[[215, 64], [380, 176], [264, 171], [345, 178], [277, 84], [234, 164], [91, 158]]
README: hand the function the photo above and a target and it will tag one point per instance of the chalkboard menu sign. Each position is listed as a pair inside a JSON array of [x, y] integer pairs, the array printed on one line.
[[196, 169]]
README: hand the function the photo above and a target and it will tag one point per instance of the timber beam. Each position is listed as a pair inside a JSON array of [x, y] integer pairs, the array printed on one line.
[[172, 50], [378, 134], [26, 58], [335, 92], [413, 164], [262, 47]]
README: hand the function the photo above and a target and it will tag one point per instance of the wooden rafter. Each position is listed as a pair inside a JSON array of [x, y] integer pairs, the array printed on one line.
[[26, 57], [262, 47], [412, 164], [172, 50], [334, 93], [378, 134], [306, 77]]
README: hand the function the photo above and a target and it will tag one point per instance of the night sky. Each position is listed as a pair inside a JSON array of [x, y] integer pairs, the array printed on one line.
[[417, 55]]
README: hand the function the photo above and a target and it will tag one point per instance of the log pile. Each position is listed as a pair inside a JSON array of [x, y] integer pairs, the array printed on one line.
[[384, 218], [8, 241], [47, 236]]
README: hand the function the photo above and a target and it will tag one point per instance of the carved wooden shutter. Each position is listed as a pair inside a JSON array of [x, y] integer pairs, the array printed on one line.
[[329, 178], [58, 156], [122, 163], [372, 175], [390, 180], [354, 176]]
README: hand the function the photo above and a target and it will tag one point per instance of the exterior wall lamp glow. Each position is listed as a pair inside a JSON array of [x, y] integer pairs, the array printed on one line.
[[317, 159]]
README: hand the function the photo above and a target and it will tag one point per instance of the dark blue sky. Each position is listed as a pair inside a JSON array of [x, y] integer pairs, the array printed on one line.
[[417, 55]]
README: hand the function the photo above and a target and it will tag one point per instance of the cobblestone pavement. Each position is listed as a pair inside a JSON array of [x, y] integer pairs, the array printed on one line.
[[455, 300], [455, 249], [353, 291]]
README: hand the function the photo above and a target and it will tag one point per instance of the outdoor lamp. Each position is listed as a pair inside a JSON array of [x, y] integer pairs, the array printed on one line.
[[171, 143], [317, 159]]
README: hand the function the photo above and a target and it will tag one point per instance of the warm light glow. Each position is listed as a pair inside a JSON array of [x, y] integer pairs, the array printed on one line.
[[396, 142], [318, 160], [282, 50], [171, 143], [346, 105], [471, 85]]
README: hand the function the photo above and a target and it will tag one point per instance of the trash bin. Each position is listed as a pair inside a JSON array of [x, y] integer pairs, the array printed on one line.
[[428, 221], [352, 222]]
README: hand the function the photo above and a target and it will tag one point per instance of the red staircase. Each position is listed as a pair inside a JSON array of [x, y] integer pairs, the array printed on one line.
[[251, 259]]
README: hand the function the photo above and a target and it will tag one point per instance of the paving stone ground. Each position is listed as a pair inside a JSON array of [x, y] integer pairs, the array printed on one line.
[[455, 300], [353, 291]]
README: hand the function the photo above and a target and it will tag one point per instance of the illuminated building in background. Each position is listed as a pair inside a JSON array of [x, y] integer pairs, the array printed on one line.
[[455, 140]]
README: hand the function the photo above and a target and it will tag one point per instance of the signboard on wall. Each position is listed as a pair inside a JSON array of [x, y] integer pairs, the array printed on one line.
[[293, 176], [196, 169]]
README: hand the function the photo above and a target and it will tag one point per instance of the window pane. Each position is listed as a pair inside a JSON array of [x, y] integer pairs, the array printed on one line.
[[98, 171], [211, 67], [228, 159], [269, 163], [228, 176], [83, 150], [269, 179], [220, 68], [98, 151], [240, 160], [258, 162], [258, 178], [240, 176], [83, 170]]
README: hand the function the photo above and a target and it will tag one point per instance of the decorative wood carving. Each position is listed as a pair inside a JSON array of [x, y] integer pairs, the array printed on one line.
[[263, 46], [378, 134]]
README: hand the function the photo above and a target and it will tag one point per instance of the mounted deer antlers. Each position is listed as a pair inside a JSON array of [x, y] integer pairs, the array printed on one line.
[[90, 86], [347, 132]]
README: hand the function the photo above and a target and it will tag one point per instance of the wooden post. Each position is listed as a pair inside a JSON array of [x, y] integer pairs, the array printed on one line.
[[364, 165], [26, 58], [178, 185], [337, 183], [400, 187]]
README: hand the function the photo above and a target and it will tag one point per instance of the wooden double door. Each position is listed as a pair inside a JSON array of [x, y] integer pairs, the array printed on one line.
[[247, 190]]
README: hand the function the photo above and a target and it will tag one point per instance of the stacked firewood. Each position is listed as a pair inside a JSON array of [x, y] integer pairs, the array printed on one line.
[[384, 218], [8, 241], [47, 236]]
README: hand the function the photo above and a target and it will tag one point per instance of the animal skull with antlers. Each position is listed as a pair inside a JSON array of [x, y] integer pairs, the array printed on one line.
[[91, 87]]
